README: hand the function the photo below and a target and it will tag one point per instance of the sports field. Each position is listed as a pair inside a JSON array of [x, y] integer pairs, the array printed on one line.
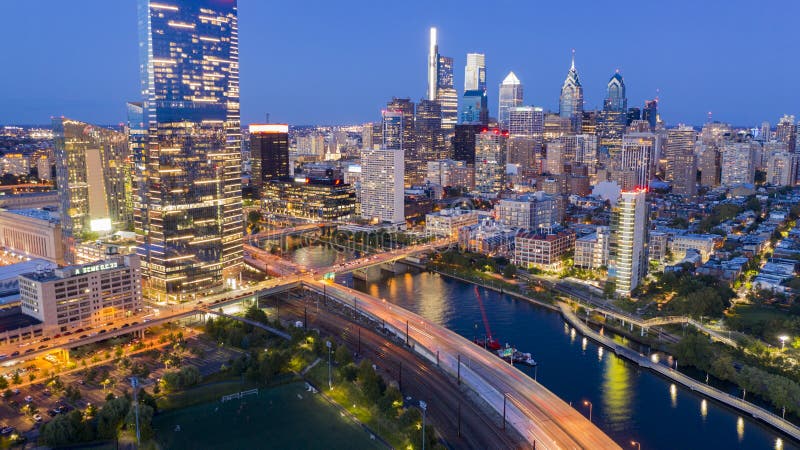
[[284, 417]]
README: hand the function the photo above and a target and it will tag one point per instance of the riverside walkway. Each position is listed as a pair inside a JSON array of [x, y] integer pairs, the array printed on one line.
[[735, 402]]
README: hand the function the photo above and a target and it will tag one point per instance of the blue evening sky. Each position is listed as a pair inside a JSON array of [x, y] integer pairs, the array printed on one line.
[[338, 62]]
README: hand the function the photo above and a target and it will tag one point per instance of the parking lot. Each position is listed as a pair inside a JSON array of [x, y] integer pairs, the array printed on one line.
[[97, 379]]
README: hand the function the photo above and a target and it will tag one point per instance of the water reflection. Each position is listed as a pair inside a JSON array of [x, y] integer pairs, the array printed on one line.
[[704, 409], [673, 395], [778, 444], [599, 353], [572, 335], [584, 342], [740, 428], [617, 393]]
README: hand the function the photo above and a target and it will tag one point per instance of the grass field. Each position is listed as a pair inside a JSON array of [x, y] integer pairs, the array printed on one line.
[[281, 417]]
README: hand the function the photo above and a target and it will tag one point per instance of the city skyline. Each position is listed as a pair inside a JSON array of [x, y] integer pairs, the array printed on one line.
[[95, 89]]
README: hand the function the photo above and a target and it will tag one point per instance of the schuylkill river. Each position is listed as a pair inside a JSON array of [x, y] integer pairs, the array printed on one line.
[[628, 403]]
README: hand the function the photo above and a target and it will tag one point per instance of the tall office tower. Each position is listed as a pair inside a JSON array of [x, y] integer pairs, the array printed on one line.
[[571, 100], [554, 160], [429, 140], [637, 158], [464, 142], [634, 113], [650, 113], [681, 167], [738, 164], [475, 72], [367, 133], [382, 190], [523, 150], [440, 84], [786, 131], [137, 144], [269, 150], [708, 163], [511, 94], [614, 117], [579, 149], [765, 132], [526, 120], [191, 232], [392, 129], [92, 174], [781, 168], [627, 256], [474, 107], [556, 126], [490, 161], [405, 107]]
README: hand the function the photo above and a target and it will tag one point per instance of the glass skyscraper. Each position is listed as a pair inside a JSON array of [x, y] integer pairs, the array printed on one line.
[[614, 117], [571, 100], [93, 175], [189, 180], [510, 97]]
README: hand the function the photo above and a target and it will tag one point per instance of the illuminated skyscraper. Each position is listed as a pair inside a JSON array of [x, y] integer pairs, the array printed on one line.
[[490, 161], [650, 113], [191, 227], [382, 198], [475, 72], [571, 100], [474, 107], [400, 112], [93, 177], [440, 84], [614, 117], [430, 142], [269, 154], [681, 167], [627, 256], [510, 97]]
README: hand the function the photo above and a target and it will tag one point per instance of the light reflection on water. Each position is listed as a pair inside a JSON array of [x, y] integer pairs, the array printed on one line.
[[629, 401]]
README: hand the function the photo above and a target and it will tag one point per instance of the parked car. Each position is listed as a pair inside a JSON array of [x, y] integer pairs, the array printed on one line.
[[37, 417], [28, 399]]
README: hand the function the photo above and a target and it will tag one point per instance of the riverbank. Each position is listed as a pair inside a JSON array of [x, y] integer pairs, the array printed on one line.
[[625, 352], [715, 394]]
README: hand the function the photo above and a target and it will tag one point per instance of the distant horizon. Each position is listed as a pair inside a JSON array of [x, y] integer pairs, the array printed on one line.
[[296, 68]]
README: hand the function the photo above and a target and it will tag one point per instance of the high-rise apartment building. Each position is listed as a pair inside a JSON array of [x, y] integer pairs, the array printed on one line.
[[637, 158], [392, 129], [530, 211], [627, 256], [511, 94], [382, 193], [269, 153], [571, 100], [681, 167], [191, 226], [93, 174], [738, 164], [786, 132], [490, 161], [405, 108], [781, 168]]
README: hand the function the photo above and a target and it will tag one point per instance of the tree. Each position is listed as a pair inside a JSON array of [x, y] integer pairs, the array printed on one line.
[[509, 271], [111, 416], [342, 356], [3, 383], [694, 349], [16, 379], [145, 420]]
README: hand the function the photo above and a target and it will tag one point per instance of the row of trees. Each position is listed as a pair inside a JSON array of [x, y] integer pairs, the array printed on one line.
[[93, 425], [696, 350]]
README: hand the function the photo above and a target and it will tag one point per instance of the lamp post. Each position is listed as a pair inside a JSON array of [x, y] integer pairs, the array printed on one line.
[[424, 407], [330, 382], [783, 339], [589, 404], [636, 444]]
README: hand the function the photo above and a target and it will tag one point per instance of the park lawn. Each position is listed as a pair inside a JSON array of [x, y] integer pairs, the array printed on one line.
[[280, 417], [348, 396], [203, 394], [756, 313]]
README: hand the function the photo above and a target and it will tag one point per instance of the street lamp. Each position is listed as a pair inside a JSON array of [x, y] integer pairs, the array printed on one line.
[[783, 339], [424, 407], [330, 382], [589, 404], [636, 444]]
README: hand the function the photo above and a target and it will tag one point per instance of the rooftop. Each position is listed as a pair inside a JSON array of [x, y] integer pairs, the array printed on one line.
[[39, 214]]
